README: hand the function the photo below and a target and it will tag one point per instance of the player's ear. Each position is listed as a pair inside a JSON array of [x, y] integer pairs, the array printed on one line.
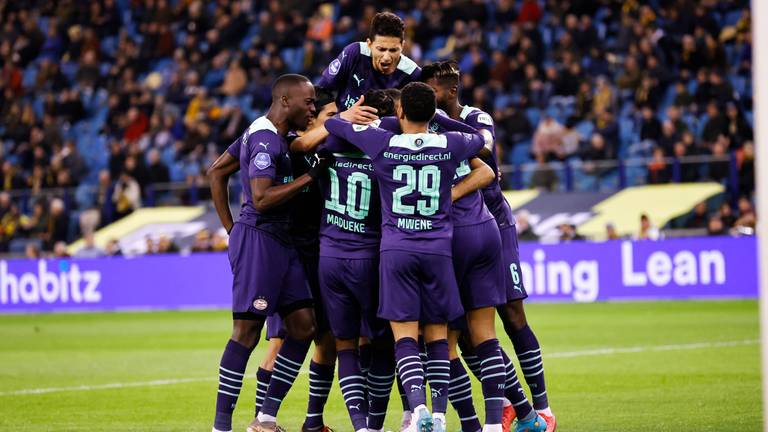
[[284, 100], [454, 90], [399, 111], [369, 42]]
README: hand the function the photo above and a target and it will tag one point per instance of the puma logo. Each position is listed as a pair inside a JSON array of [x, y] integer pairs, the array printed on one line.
[[357, 407], [264, 145], [437, 392], [359, 80], [415, 388]]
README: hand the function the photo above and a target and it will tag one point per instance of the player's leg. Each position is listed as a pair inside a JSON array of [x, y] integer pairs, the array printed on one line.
[[364, 347], [245, 336], [296, 308], [516, 326], [460, 388], [411, 372], [252, 300], [275, 336], [323, 362]]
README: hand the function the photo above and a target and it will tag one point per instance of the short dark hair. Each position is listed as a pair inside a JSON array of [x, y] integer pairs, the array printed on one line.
[[387, 24], [393, 93], [418, 102], [380, 100], [285, 82], [323, 97], [445, 72]]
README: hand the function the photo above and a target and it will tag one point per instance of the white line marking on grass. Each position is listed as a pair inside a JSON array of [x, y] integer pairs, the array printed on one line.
[[567, 354], [651, 348]]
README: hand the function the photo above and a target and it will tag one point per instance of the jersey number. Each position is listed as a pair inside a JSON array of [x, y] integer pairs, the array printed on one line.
[[356, 211], [426, 181]]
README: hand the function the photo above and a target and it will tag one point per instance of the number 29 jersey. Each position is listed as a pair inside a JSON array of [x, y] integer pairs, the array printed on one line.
[[415, 174]]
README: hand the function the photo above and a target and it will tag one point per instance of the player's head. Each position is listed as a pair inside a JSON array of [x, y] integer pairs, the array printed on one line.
[[395, 95], [294, 96], [379, 99], [443, 77], [325, 107], [385, 41], [417, 103]]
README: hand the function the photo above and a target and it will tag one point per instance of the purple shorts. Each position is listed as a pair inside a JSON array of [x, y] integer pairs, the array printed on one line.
[[267, 275], [418, 287], [275, 327], [350, 290], [513, 277], [478, 265]]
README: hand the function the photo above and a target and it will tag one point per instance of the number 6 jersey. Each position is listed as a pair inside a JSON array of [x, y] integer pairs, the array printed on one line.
[[415, 173]]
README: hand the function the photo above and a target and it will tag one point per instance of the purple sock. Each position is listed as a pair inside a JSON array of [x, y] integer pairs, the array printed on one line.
[[262, 383], [231, 373], [403, 396], [473, 363], [379, 383], [494, 376], [460, 395], [287, 365], [352, 384], [529, 355], [438, 374], [320, 382], [410, 371], [513, 391]]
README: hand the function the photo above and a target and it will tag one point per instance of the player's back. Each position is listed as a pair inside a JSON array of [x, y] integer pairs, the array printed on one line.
[[494, 198], [350, 225]]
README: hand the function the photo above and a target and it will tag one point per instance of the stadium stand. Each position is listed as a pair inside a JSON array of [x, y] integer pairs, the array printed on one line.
[[112, 105]]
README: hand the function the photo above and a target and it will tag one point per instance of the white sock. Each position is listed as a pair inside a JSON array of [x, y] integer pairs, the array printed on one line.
[[362, 430], [492, 428], [546, 411], [266, 418], [439, 416], [507, 402], [216, 430]]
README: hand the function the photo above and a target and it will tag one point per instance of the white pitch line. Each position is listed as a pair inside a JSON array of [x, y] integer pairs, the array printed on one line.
[[571, 354]]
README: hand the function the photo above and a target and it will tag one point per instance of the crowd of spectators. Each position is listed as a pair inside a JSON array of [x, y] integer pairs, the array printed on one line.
[[112, 99]]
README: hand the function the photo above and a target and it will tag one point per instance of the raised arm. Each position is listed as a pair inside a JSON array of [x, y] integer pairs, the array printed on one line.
[[480, 177], [266, 195], [357, 113], [218, 178]]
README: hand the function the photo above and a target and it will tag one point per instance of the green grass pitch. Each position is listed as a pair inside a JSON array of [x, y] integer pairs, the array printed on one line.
[[675, 366]]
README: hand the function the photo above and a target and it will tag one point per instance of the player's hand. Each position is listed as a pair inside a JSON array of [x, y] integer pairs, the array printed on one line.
[[359, 114], [320, 163]]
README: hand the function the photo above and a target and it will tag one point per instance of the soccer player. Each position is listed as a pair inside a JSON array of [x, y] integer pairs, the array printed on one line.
[[268, 276], [415, 172], [444, 78], [377, 63]]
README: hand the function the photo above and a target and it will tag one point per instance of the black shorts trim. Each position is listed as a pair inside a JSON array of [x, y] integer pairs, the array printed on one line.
[[301, 304], [249, 316]]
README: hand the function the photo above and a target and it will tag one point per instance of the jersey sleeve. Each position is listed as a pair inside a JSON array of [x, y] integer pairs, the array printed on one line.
[[336, 74], [335, 144], [482, 121], [263, 151], [390, 123], [450, 125], [464, 145], [234, 148], [370, 139]]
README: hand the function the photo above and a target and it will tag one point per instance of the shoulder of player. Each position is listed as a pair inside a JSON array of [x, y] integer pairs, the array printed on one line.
[[476, 115], [407, 66]]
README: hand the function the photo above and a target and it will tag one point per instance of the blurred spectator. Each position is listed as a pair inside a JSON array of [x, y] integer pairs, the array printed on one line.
[[127, 196], [58, 223], [202, 242], [647, 230], [544, 176], [32, 251], [568, 233], [113, 248], [698, 218], [157, 171], [658, 170], [594, 152], [725, 213], [548, 139], [89, 249], [60, 250], [611, 233], [715, 226], [746, 160], [166, 245], [524, 228]]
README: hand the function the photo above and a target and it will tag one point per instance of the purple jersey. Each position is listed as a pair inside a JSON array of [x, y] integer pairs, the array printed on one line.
[[415, 173], [494, 198], [470, 209], [264, 153], [350, 226], [352, 74]]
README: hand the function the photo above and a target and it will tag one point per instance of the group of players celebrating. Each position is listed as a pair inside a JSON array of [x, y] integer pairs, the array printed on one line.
[[374, 225]]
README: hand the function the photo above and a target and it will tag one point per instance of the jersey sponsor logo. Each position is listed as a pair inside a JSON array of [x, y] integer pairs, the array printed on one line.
[[262, 160], [334, 67], [359, 80], [260, 304], [350, 101], [485, 119]]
